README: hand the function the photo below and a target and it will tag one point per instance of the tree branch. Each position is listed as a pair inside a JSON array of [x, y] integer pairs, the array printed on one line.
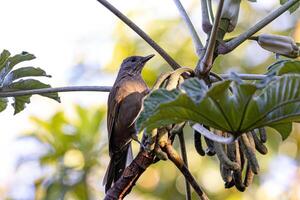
[[130, 175], [232, 44], [175, 158], [245, 76], [210, 9], [185, 161], [7, 93], [197, 42], [205, 63], [141, 33], [206, 25]]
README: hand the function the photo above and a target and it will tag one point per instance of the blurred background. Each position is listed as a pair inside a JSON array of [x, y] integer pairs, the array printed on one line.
[[59, 151]]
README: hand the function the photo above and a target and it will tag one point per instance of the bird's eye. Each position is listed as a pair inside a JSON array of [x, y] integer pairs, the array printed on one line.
[[133, 59]]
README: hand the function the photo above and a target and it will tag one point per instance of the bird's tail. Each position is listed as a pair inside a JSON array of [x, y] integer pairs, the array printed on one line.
[[116, 167]]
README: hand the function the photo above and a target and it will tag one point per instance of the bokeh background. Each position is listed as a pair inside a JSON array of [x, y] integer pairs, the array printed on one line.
[[59, 151]]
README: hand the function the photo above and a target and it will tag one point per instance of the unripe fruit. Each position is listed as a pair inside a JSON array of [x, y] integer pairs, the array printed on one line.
[[230, 12], [282, 45]]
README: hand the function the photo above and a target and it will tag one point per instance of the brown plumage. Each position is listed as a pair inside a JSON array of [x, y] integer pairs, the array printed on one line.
[[124, 104]]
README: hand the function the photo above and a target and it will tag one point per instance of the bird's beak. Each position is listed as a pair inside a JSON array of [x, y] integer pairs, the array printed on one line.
[[146, 58]]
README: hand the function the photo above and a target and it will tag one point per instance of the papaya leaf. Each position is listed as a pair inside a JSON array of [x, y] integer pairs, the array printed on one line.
[[284, 129], [10, 62], [3, 104], [23, 72], [3, 58], [19, 103], [231, 105], [24, 56], [278, 103], [11, 80], [29, 84], [284, 67]]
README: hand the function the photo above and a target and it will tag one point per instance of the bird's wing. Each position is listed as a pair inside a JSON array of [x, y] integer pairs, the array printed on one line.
[[113, 107], [129, 109]]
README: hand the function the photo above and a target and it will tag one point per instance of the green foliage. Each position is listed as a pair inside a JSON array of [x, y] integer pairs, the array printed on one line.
[[10, 80], [232, 105], [293, 8], [73, 150], [283, 67]]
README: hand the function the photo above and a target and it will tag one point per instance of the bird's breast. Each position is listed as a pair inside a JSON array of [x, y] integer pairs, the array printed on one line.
[[131, 86]]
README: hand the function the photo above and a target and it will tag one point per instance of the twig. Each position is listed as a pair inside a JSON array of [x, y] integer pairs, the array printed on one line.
[[232, 44], [211, 13], [6, 93], [208, 134], [51, 90], [141, 33], [193, 32], [130, 175], [185, 160], [175, 158], [205, 63], [245, 76], [206, 25]]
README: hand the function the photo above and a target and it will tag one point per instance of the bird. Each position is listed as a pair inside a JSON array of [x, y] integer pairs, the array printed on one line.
[[124, 105]]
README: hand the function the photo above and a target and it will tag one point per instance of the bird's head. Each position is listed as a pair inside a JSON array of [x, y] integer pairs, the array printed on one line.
[[134, 64]]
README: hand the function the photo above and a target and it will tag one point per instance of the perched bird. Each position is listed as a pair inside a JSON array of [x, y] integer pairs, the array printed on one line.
[[124, 104]]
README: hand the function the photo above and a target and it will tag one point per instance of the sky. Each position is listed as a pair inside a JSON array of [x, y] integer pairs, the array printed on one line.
[[59, 32]]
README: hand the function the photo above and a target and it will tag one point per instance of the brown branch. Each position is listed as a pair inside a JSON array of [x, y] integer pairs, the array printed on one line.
[[175, 158], [185, 160], [205, 64], [141, 33], [130, 175]]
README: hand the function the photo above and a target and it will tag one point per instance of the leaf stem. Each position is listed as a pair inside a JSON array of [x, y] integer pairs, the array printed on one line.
[[208, 134], [245, 76], [232, 44], [141, 33], [205, 64], [197, 42], [211, 13], [206, 25]]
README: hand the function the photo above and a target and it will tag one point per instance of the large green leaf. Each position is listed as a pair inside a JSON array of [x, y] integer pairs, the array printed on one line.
[[232, 106], [24, 56], [277, 104], [19, 103], [284, 67], [23, 72], [3, 104], [3, 58], [29, 84], [9, 80], [10, 62]]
